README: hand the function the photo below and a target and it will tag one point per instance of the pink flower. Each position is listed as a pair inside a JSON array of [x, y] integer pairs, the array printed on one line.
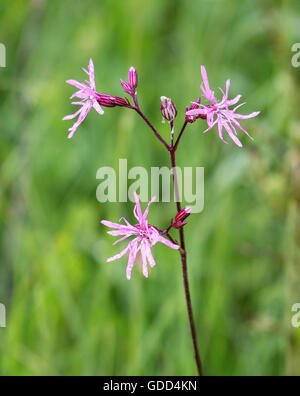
[[89, 98], [146, 236], [219, 112]]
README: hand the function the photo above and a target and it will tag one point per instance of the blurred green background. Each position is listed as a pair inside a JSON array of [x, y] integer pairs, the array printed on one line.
[[68, 311]]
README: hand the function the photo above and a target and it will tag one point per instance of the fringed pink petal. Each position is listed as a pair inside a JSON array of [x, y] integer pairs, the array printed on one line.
[[220, 128], [77, 84], [92, 74], [144, 258], [246, 117], [138, 210], [145, 215], [168, 243], [149, 255], [120, 255], [234, 101], [232, 135], [98, 108], [132, 257], [72, 116]]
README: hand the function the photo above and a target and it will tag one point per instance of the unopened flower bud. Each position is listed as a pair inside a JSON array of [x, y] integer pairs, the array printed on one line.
[[112, 101], [168, 109], [127, 88], [133, 78], [181, 216]]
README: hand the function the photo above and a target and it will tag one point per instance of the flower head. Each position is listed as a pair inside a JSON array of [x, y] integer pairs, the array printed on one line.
[[89, 98], [145, 238], [218, 113]]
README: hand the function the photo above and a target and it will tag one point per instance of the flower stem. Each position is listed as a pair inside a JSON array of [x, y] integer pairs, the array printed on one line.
[[172, 150], [137, 109], [180, 135], [184, 268]]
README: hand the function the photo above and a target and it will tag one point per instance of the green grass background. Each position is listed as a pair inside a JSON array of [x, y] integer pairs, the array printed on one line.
[[68, 311]]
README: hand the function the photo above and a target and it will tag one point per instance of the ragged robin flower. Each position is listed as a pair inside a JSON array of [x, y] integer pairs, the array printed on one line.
[[90, 98], [145, 236], [218, 113]]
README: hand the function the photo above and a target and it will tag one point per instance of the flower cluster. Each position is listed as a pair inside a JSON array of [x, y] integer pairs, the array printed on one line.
[[214, 113]]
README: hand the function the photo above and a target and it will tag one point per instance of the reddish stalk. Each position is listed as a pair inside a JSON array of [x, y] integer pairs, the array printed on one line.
[[185, 272], [172, 150]]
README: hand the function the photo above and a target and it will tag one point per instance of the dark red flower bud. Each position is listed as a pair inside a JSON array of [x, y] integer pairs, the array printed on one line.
[[181, 216], [112, 101]]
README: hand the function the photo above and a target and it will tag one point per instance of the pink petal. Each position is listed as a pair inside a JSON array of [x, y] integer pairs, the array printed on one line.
[[76, 84], [111, 225], [145, 215], [92, 74], [208, 93], [225, 95], [127, 223], [168, 243], [149, 255], [196, 112], [132, 257], [211, 127], [137, 210], [237, 107], [72, 116], [98, 108], [82, 94], [83, 113], [205, 78], [77, 103], [220, 127], [120, 255], [122, 239], [124, 231], [246, 117], [85, 71], [234, 101], [144, 258], [228, 82], [210, 119], [232, 135], [241, 128]]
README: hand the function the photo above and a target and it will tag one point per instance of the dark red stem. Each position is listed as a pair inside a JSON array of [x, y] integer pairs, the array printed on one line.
[[157, 134], [185, 272], [180, 135], [172, 150]]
